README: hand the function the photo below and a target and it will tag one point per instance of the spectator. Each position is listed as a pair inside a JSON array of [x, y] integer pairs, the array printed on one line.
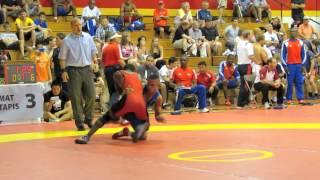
[[147, 69], [165, 83], [310, 71], [307, 31], [104, 31], [51, 46], [90, 17], [228, 77], [261, 7], [63, 8], [207, 78], [143, 51], [204, 14], [260, 53], [271, 38], [211, 34], [245, 54], [42, 30], [230, 50], [268, 79], [232, 31], [11, 8], [26, 28], [202, 45], [43, 67], [33, 7], [160, 18], [245, 8], [1, 15], [277, 25], [156, 51], [182, 40], [112, 62], [55, 59], [184, 14], [129, 12], [57, 105], [9, 40], [222, 4], [100, 88], [4, 58], [297, 8], [293, 55], [185, 80], [79, 73], [128, 49]]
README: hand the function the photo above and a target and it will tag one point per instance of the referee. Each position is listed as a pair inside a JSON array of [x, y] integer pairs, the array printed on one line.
[[77, 53]]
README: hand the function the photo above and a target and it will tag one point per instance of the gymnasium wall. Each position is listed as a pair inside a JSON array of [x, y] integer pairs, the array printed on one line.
[[174, 4]]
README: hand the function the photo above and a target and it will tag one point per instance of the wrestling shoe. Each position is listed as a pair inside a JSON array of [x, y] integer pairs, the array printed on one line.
[[82, 140], [124, 132]]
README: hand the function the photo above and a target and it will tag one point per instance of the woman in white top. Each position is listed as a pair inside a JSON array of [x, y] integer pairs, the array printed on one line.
[[142, 48], [128, 49]]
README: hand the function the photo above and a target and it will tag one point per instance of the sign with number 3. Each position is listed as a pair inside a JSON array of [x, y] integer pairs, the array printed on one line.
[[21, 102]]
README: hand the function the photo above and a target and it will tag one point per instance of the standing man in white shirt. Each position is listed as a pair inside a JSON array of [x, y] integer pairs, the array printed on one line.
[[77, 53], [90, 17], [245, 54]]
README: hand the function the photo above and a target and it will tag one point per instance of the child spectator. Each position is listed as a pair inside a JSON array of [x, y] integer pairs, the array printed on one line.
[[42, 30], [43, 67], [57, 106]]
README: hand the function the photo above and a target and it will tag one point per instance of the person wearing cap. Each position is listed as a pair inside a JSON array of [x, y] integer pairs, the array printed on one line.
[[307, 31], [185, 79], [160, 18], [77, 53], [112, 60], [228, 79], [293, 55]]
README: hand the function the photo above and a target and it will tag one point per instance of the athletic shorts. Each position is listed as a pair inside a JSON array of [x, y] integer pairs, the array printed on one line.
[[133, 18], [166, 29], [62, 11], [27, 36]]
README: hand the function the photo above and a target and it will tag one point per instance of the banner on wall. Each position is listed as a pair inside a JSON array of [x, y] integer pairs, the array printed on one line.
[[21, 102]]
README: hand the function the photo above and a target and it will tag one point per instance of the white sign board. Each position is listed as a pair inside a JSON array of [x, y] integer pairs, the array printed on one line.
[[21, 102]]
